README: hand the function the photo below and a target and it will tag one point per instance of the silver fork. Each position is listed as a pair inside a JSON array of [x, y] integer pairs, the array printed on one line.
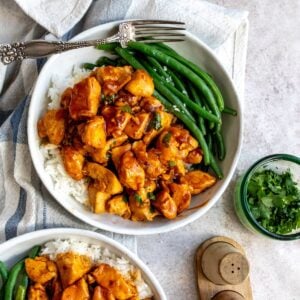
[[148, 31]]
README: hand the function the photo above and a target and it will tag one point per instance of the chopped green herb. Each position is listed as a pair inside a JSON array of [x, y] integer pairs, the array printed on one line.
[[155, 122], [126, 108], [151, 196], [166, 139], [172, 163], [274, 201], [125, 198], [108, 100], [138, 198], [89, 66]]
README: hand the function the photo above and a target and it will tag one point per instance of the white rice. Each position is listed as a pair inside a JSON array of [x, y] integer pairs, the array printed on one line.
[[52, 159], [98, 255]]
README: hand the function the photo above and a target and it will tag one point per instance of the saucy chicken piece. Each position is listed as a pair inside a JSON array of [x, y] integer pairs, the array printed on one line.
[[165, 204], [165, 121], [73, 161], [72, 266], [105, 180], [52, 126], [140, 207], [93, 132], [139, 149], [118, 205], [126, 99], [194, 157], [85, 99], [97, 199], [181, 195], [141, 84], [77, 291], [40, 269], [113, 79], [137, 125], [116, 120], [153, 167], [151, 104], [117, 152], [101, 293], [56, 289], [186, 142], [198, 181], [66, 98], [111, 279], [150, 185], [37, 292], [130, 172]]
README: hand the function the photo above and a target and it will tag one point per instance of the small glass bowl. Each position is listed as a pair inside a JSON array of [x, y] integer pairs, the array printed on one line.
[[275, 162]]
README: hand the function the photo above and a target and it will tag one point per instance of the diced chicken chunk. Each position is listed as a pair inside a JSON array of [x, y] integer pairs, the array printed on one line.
[[194, 157], [141, 84], [66, 98], [73, 161], [130, 172], [77, 291], [97, 199], [52, 126], [165, 204], [72, 266], [116, 120], [37, 292], [85, 99], [137, 125], [118, 205], [40, 269], [93, 132], [117, 152], [181, 195], [153, 166], [101, 293], [109, 278], [106, 180], [198, 181], [140, 206], [151, 104], [113, 79]]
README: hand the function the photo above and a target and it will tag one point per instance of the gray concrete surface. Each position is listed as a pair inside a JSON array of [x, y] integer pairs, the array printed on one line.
[[271, 125]]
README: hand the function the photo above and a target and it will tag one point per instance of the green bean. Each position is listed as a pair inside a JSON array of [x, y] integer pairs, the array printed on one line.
[[196, 98], [174, 64], [220, 145], [190, 125], [11, 280], [21, 293], [34, 251], [163, 46], [229, 111], [137, 65], [159, 69], [3, 272], [206, 77], [177, 82], [107, 47], [105, 61], [171, 92], [214, 166]]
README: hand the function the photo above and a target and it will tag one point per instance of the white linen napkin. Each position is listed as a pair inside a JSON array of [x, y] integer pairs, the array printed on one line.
[[25, 205], [57, 16]]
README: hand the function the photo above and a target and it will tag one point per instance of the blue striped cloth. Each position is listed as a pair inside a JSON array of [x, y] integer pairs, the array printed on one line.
[[25, 204]]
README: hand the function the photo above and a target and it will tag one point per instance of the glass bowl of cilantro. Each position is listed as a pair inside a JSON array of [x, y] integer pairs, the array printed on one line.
[[267, 197]]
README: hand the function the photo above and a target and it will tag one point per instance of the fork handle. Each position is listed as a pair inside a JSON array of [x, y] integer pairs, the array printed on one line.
[[41, 48]]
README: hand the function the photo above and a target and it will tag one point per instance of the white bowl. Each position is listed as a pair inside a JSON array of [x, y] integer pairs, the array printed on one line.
[[17, 248], [192, 49]]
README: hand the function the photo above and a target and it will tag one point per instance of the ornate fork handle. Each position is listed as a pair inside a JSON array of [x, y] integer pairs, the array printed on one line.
[[40, 48]]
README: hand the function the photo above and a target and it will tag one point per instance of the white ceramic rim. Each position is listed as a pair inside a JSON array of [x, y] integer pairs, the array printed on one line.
[[166, 227], [60, 232]]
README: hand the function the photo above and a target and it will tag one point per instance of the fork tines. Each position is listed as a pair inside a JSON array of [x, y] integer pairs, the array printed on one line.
[[158, 22], [150, 31]]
